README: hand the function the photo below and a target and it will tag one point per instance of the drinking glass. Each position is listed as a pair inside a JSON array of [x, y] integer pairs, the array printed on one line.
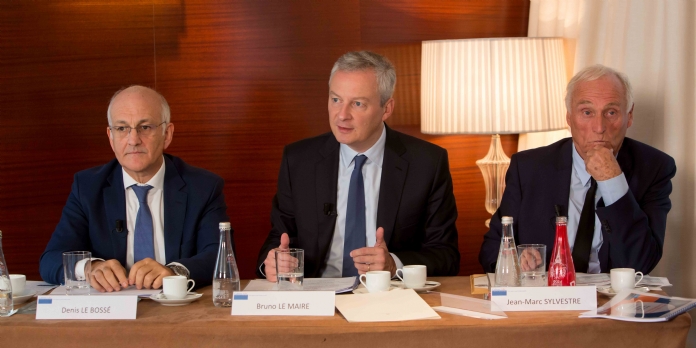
[[532, 264], [77, 280], [290, 268]]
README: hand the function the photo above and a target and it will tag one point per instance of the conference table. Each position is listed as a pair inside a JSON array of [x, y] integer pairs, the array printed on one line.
[[202, 324]]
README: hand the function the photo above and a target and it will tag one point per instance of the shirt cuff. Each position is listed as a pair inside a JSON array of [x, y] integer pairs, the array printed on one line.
[[613, 189], [399, 264], [80, 267], [180, 265]]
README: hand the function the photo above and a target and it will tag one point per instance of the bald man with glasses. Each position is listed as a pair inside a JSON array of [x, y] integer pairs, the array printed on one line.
[[145, 215]]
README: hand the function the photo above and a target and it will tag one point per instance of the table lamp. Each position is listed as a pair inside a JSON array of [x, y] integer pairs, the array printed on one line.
[[493, 86]]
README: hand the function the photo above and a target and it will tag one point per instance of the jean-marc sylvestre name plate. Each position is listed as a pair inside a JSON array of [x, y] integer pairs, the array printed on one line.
[[86, 307], [551, 298], [296, 303]]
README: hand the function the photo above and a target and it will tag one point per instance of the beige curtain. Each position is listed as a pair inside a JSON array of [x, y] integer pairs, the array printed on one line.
[[654, 43]]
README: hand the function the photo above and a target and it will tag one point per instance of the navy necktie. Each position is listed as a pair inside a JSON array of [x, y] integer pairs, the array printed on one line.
[[143, 244], [355, 217]]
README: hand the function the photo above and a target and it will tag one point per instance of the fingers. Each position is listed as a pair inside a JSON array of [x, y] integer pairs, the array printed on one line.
[[270, 265], [284, 241], [148, 274], [379, 238], [107, 276], [530, 260]]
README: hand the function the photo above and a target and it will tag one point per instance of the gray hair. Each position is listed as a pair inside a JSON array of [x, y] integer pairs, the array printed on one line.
[[594, 72], [165, 111], [365, 60]]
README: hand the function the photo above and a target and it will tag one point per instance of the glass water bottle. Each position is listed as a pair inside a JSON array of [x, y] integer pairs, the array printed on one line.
[[226, 275], [507, 269], [561, 268], [6, 304]]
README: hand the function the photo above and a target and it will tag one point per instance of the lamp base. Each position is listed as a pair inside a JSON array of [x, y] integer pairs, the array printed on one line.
[[493, 168]]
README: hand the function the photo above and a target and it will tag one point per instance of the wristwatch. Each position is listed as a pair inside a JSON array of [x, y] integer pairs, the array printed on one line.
[[179, 270]]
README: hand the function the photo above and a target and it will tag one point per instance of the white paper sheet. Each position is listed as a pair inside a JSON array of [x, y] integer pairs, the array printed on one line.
[[129, 291], [464, 312], [38, 287], [339, 285], [395, 305]]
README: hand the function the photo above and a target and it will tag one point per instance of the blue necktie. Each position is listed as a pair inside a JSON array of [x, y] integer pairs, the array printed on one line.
[[355, 217], [143, 245]]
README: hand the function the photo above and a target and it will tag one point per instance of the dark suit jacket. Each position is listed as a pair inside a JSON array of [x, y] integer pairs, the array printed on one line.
[[633, 228], [416, 204], [194, 205]]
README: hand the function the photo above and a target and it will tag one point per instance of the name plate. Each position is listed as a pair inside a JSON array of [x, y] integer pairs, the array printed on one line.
[[296, 303], [86, 307], [548, 298]]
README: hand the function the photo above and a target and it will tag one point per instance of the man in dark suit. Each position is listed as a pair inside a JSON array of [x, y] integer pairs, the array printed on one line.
[[144, 215], [616, 189], [397, 209]]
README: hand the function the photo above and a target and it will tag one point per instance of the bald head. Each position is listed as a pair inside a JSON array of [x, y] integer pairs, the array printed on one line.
[[144, 93]]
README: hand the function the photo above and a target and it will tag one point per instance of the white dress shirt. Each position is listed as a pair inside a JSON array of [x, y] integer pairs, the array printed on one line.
[[610, 190], [372, 176]]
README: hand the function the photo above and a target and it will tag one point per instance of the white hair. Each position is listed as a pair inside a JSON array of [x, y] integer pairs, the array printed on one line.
[[594, 72]]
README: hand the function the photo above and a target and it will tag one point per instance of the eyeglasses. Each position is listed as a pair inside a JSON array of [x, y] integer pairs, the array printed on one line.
[[144, 130]]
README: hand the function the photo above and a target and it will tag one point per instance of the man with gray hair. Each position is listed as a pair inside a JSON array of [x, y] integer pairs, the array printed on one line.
[[363, 197], [145, 215], [614, 190]]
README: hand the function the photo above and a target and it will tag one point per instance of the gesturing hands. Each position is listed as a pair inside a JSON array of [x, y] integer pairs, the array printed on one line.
[[376, 258], [270, 263]]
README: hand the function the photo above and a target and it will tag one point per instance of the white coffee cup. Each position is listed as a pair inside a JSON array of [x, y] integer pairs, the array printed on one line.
[[18, 281], [413, 276], [376, 281], [624, 278], [174, 287]]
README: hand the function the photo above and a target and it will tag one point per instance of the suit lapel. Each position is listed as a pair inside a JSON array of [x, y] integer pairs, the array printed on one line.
[[174, 210], [394, 170], [326, 179], [115, 207], [561, 189]]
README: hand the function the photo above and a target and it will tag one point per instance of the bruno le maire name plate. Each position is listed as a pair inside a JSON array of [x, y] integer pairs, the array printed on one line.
[[550, 298], [295, 303], [86, 307]]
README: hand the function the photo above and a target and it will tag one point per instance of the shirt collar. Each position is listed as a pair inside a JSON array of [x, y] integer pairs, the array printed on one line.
[[157, 181], [374, 154], [579, 167]]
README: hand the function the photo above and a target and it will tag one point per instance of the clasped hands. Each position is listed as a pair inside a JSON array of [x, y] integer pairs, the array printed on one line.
[[109, 276], [376, 258]]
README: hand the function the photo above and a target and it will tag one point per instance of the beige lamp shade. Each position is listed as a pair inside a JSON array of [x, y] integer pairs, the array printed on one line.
[[492, 86]]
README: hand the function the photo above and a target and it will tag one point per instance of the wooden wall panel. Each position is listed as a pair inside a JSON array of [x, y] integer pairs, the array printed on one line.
[[243, 78]]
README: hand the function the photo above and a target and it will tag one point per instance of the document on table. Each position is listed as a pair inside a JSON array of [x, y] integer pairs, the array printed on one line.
[[394, 305], [604, 279], [38, 287], [129, 291], [339, 285]]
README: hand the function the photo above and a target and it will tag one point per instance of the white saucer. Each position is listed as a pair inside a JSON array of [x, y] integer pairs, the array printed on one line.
[[192, 296], [363, 290], [609, 292], [429, 285], [26, 296]]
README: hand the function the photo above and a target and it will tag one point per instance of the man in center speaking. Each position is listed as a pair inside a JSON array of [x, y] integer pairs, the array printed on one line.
[[363, 197]]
